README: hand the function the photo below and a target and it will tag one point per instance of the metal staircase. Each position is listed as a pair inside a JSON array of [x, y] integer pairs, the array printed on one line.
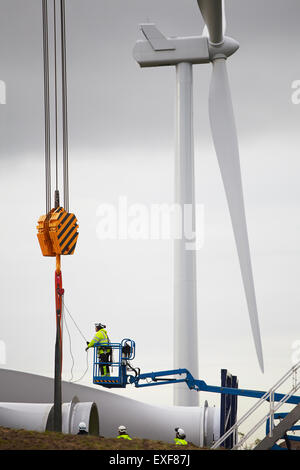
[[280, 430], [275, 433]]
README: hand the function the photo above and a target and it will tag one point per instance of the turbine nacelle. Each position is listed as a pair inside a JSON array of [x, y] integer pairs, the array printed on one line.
[[158, 50]]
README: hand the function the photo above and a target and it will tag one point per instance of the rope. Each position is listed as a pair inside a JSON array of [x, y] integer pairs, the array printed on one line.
[[74, 322], [70, 343], [46, 105], [73, 362], [87, 368]]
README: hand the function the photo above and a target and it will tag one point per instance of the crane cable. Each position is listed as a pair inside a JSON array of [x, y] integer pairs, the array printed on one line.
[[46, 105], [64, 99], [64, 104], [55, 96]]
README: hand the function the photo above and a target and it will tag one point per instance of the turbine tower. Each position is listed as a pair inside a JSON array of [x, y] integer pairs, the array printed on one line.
[[183, 52]]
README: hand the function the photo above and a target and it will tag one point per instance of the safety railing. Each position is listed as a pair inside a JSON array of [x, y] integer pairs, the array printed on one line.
[[273, 408], [116, 360]]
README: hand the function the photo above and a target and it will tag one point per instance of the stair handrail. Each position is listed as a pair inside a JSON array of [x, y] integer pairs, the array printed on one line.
[[263, 399], [264, 419]]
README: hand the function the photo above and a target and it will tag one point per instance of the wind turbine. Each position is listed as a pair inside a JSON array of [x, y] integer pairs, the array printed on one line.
[[183, 52]]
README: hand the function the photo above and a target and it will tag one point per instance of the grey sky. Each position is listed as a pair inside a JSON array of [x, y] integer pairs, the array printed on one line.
[[102, 73], [121, 128]]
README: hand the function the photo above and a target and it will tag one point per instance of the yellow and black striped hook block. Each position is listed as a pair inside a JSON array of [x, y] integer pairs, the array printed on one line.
[[57, 232]]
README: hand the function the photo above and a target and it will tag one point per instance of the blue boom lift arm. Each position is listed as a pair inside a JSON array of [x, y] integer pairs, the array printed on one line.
[[125, 352], [159, 378]]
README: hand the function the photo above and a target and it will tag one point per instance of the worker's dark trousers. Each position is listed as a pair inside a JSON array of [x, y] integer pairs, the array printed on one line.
[[104, 368]]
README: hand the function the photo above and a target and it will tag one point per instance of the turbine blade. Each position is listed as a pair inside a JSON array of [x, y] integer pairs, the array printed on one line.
[[226, 146], [212, 12], [205, 30]]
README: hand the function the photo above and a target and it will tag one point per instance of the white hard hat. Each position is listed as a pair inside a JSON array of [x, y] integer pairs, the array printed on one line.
[[82, 426], [180, 432], [122, 428]]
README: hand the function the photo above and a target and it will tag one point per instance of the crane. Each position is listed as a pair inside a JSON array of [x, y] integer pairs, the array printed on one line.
[[57, 228]]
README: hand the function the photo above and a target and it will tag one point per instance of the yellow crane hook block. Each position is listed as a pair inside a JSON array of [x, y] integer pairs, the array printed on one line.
[[63, 231], [43, 235], [57, 232]]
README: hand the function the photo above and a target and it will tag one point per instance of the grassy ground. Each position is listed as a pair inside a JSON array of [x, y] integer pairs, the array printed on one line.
[[19, 439]]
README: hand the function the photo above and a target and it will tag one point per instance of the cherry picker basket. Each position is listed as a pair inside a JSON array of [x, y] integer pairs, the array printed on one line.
[[111, 372]]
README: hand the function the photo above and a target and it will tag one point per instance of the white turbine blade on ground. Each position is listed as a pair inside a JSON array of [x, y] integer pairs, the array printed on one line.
[[226, 146], [212, 12], [205, 32]]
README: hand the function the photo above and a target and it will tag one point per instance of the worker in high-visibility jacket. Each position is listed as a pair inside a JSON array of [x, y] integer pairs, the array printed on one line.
[[82, 429], [104, 353], [180, 437], [123, 433]]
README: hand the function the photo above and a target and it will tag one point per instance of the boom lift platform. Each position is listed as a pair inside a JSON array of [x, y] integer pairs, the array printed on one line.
[[119, 366], [123, 374]]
